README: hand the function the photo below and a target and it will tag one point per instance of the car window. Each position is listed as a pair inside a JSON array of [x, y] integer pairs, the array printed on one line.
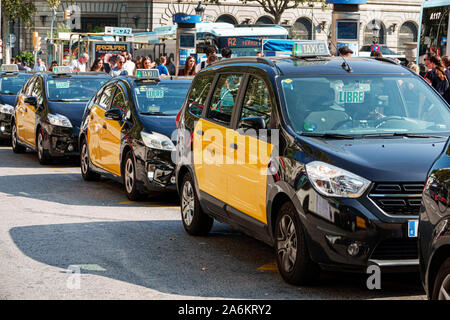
[[369, 104], [12, 84], [106, 97], [257, 102], [38, 90], [120, 101], [29, 87], [224, 98], [198, 94]]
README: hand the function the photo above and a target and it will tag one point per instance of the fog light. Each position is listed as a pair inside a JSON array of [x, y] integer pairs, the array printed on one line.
[[2, 128], [70, 148], [173, 180], [353, 249], [150, 171]]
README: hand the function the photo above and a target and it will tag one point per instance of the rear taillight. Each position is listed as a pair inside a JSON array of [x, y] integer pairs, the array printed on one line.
[[177, 120]]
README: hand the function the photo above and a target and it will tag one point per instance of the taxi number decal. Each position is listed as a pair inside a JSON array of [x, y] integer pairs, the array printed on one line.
[[154, 94], [350, 97], [62, 85]]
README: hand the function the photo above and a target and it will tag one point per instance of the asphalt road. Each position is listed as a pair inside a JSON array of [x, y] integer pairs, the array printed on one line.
[[53, 224]]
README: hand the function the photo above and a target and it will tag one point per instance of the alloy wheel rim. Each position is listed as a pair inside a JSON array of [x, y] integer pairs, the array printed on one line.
[[444, 292], [84, 159], [287, 243], [14, 133], [188, 203], [129, 175], [40, 146]]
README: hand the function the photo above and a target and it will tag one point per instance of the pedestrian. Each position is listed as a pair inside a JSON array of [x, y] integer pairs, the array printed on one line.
[[345, 52], [170, 66], [98, 66], [210, 51], [53, 64], [259, 54], [189, 67], [25, 65], [438, 75], [139, 62], [19, 64], [118, 70], [80, 64], [226, 53], [161, 67], [446, 60], [13, 61], [414, 67], [426, 60], [376, 54], [40, 65], [213, 59], [129, 65], [147, 63]]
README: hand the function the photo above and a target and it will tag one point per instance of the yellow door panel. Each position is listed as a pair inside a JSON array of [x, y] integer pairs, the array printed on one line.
[[110, 146], [20, 121], [29, 124], [209, 158], [94, 130], [247, 176]]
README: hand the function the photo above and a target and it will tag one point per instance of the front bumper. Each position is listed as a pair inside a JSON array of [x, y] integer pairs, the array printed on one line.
[[155, 171], [350, 234], [61, 141]]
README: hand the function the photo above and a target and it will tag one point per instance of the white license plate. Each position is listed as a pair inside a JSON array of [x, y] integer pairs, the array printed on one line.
[[412, 228]]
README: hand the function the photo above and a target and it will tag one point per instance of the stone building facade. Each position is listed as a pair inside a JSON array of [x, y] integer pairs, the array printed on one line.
[[398, 19]]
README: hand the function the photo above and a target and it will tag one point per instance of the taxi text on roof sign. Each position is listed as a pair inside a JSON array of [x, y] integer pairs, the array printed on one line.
[[9, 68], [61, 69], [147, 73], [310, 49]]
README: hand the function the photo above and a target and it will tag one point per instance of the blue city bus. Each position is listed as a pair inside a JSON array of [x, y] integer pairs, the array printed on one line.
[[433, 29]]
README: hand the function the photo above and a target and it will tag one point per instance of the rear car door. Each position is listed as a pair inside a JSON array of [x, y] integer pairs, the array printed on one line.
[[111, 136], [210, 137], [20, 109]]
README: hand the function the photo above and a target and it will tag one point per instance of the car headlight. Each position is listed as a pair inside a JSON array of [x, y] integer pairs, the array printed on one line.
[[6, 108], [332, 181], [59, 120], [157, 141]]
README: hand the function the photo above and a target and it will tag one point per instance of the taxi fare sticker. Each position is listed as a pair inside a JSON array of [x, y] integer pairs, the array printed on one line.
[[350, 97], [62, 85], [154, 93]]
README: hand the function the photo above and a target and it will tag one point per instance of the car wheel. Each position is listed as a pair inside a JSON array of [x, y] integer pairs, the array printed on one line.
[[441, 287], [129, 178], [86, 172], [195, 221], [17, 148], [43, 156], [293, 259]]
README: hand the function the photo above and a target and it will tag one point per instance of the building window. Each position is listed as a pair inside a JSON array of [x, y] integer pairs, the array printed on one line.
[[408, 33], [302, 29], [372, 28], [227, 18], [265, 20]]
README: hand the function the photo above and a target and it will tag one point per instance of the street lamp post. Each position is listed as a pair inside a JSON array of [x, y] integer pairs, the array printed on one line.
[[376, 33], [199, 10]]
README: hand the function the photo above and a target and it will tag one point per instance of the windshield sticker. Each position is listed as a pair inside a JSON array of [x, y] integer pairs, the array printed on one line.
[[154, 109], [350, 97], [310, 126], [154, 93], [287, 84], [62, 85]]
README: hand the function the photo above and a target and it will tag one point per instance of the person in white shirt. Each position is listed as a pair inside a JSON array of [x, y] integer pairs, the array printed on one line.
[[40, 65], [80, 64], [129, 65]]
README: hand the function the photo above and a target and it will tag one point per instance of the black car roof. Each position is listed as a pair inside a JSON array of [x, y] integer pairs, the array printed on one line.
[[131, 79], [49, 74], [324, 65]]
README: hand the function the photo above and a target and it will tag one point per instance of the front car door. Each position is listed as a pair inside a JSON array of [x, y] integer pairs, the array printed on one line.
[[31, 111], [21, 114]]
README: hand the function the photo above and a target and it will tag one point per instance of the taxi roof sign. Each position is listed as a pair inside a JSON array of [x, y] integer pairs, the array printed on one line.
[[61, 69], [311, 49], [9, 68], [147, 74]]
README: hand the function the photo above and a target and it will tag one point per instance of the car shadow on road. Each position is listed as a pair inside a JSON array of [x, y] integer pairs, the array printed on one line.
[[159, 255], [29, 159]]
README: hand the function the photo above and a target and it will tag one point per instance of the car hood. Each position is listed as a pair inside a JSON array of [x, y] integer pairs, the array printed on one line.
[[72, 110], [8, 99], [379, 160], [161, 124]]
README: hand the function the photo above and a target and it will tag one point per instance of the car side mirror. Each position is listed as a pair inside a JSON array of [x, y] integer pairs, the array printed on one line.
[[114, 114], [31, 101], [255, 123]]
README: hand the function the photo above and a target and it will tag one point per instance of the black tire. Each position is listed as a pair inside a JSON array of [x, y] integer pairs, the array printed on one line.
[[16, 147], [293, 259], [42, 154], [129, 178], [442, 282], [195, 221], [86, 172]]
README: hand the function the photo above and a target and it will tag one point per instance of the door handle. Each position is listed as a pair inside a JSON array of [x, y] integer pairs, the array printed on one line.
[[234, 146], [200, 132], [92, 117], [104, 126], [26, 109]]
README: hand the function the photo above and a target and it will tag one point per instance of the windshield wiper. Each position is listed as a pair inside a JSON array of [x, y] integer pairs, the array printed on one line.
[[155, 114], [328, 135], [401, 134]]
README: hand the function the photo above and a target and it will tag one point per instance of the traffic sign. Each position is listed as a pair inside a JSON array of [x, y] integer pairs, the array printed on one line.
[[12, 38], [375, 47], [116, 31]]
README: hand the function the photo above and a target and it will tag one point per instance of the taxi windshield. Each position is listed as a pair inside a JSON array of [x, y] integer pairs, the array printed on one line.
[[162, 98], [73, 89], [12, 84], [363, 104]]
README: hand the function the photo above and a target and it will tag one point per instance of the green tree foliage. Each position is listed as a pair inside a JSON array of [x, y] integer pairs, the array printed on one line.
[[27, 56], [18, 9]]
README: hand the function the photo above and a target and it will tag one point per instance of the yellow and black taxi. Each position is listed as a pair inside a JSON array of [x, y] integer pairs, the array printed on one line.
[[128, 131], [324, 158], [11, 82], [434, 230], [49, 110]]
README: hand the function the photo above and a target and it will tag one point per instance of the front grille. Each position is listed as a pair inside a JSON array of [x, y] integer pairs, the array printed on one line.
[[396, 249], [398, 199]]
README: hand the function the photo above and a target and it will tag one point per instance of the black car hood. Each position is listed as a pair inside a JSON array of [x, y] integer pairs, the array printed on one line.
[[72, 110], [8, 99], [379, 160], [161, 124]]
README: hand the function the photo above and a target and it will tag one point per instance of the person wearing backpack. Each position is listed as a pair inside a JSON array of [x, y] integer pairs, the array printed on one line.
[[438, 77]]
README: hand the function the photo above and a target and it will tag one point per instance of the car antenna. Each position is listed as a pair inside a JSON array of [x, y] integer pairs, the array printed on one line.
[[345, 64]]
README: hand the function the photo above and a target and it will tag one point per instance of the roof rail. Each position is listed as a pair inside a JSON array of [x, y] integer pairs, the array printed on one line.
[[243, 60]]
